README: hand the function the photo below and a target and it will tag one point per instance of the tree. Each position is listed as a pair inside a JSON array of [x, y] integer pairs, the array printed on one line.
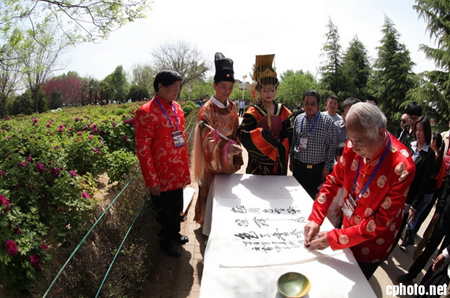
[[331, 69], [293, 85], [78, 21], [434, 90], [142, 76], [355, 69], [137, 93], [56, 100], [118, 81], [91, 88], [10, 76], [182, 58], [38, 55], [392, 76], [69, 85]]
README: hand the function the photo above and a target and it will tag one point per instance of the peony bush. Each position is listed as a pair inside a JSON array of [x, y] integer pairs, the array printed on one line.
[[48, 166]]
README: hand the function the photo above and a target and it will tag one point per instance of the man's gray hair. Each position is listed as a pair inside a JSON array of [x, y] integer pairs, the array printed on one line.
[[370, 117]]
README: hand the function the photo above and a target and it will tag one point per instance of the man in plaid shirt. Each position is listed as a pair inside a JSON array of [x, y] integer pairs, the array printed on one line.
[[313, 145]]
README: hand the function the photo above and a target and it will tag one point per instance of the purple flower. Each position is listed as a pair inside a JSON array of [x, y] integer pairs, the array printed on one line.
[[40, 167], [90, 137], [77, 119], [79, 133], [85, 195], [56, 147], [29, 158], [36, 261], [124, 137], [55, 172], [21, 164], [4, 201], [2, 173], [11, 247], [95, 130], [44, 247], [60, 129], [96, 150], [114, 124], [73, 173], [16, 230]]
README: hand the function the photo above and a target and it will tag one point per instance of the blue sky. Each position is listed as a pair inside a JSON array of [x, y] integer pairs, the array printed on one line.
[[293, 30]]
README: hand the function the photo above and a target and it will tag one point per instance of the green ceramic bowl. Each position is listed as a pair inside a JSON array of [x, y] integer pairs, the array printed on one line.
[[293, 285]]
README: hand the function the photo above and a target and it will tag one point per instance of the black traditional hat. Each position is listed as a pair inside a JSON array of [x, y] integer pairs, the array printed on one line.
[[224, 68], [264, 72]]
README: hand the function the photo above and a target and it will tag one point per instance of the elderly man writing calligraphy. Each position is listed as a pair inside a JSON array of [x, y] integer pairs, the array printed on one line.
[[375, 171]]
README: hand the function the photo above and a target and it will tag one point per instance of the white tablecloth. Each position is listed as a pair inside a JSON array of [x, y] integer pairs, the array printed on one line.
[[256, 235]]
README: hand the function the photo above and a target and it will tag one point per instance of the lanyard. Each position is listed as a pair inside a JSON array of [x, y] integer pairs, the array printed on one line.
[[165, 113], [312, 126], [374, 172]]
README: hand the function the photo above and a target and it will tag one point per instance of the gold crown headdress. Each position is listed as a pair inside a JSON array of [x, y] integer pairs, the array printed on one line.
[[264, 72]]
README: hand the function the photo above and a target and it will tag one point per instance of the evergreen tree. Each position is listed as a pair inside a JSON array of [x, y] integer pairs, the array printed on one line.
[[392, 76], [434, 89], [356, 70], [120, 83], [331, 69]]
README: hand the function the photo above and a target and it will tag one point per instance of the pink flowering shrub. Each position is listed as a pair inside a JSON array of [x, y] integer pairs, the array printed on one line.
[[48, 166]]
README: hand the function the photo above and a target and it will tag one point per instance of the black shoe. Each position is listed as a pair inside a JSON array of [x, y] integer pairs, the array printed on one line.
[[409, 238], [170, 250], [181, 239], [405, 278]]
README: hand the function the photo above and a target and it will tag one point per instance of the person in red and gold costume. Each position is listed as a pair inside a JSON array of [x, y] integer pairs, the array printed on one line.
[[375, 171], [216, 147], [162, 151], [266, 130]]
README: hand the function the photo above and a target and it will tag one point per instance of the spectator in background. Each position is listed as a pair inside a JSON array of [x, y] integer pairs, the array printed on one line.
[[161, 148], [422, 187], [332, 107], [371, 99], [342, 135], [441, 232], [404, 120], [313, 145], [445, 138], [414, 112], [241, 107]]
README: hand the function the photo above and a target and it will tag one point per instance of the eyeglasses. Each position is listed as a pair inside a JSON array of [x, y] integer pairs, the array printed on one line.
[[313, 104]]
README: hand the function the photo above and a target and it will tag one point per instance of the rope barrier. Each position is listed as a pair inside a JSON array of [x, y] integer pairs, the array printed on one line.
[[87, 234], [119, 249]]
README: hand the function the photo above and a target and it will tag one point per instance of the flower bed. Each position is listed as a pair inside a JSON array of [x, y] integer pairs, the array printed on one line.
[[48, 166]]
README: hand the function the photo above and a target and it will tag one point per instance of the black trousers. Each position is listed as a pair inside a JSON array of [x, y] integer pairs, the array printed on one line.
[[309, 176], [169, 205], [441, 230], [369, 268]]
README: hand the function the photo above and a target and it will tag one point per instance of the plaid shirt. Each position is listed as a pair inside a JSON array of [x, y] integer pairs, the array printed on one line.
[[321, 146]]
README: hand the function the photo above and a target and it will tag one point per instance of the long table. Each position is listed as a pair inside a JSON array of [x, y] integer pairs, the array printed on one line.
[[256, 234]]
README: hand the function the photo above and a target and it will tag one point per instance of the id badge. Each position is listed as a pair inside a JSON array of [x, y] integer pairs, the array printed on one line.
[[349, 206], [178, 139], [303, 144]]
